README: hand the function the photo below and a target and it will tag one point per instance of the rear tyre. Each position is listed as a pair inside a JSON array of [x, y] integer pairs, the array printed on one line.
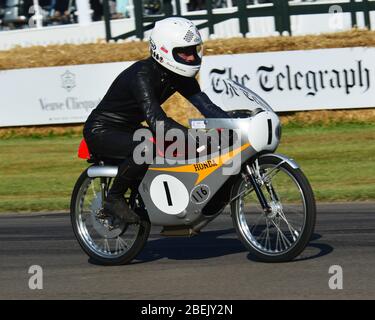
[[104, 246]]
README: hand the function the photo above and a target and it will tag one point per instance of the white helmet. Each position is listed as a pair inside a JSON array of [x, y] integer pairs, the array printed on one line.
[[174, 39]]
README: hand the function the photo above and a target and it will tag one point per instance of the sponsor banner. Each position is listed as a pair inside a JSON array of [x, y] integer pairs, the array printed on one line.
[[295, 80], [288, 81], [54, 95]]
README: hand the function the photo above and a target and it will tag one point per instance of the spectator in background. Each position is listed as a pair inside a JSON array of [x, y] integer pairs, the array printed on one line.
[[97, 7], [196, 5], [52, 7], [152, 7], [28, 9], [25, 8], [201, 4], [168, 8], [61, 10]]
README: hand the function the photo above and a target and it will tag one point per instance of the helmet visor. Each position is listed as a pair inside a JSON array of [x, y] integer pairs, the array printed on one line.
[[191, 55]]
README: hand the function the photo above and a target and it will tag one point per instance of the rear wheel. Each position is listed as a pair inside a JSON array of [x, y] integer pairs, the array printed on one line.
[[105, 246], [283, 233]]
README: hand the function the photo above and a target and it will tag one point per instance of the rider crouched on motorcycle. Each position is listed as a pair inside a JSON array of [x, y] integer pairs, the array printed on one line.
[[136, 95]]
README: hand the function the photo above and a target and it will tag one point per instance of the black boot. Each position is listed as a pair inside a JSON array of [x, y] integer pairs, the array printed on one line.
[[115, 204]]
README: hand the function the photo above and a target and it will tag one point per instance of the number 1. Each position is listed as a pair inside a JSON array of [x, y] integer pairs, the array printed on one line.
[[167, 192]]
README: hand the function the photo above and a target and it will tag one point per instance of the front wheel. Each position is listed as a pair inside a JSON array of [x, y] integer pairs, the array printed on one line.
[[104, 245], [283, 232]]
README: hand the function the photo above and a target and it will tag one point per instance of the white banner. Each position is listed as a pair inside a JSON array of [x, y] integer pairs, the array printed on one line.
[[288, 81], [296, 80], [54, 95]]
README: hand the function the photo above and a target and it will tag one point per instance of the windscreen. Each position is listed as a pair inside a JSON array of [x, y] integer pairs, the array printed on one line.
[[233, 96]]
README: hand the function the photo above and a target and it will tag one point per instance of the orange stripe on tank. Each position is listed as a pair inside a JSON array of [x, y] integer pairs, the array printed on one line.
[[216, 163]]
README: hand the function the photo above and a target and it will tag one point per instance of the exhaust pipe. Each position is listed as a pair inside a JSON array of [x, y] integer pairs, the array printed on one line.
[[102, 171]]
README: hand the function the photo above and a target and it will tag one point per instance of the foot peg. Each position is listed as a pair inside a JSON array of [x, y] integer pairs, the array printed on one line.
[[178, 231]]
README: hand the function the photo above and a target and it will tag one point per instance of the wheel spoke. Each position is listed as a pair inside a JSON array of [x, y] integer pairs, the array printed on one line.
[[274, 196], [257, 223], [268, 242], [120, 245], [267, 177], [292, 230], [243, 194], [262, 236], [94, 193], [278, 243], [105, 245], [283, 236]]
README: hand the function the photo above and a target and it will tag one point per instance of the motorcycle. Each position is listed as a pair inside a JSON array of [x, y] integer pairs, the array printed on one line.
[[270, 200]]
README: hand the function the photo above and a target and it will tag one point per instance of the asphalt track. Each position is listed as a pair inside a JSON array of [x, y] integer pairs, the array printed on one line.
[[212, 265]]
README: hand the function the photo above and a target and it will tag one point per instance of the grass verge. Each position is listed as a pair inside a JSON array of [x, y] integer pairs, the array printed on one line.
[[38, 173]]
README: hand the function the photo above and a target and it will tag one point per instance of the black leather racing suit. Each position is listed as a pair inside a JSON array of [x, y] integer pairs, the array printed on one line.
[[135, 96]]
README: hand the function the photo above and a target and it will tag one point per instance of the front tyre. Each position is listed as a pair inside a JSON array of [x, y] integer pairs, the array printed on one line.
[[283, 233], [103, 245]]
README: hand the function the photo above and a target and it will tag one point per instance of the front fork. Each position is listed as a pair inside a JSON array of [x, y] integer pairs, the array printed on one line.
[[253, 174]]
